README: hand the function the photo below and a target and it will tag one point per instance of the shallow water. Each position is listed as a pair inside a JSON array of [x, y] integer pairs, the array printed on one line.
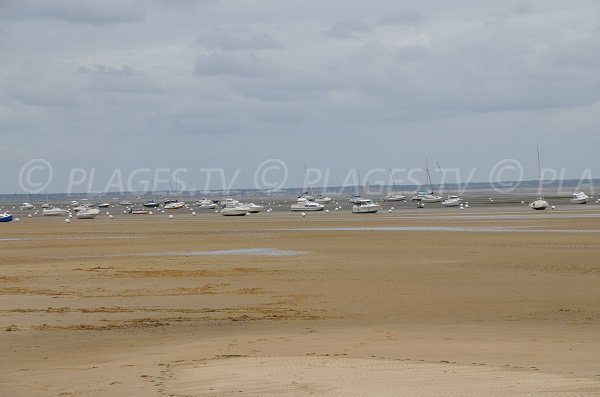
[[243, 251], [515, 229]]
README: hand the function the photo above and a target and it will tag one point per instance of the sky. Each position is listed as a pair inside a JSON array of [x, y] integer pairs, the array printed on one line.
[[338, 85]]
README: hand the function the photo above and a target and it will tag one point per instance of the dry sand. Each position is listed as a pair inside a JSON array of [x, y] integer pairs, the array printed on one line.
[[144, 306]]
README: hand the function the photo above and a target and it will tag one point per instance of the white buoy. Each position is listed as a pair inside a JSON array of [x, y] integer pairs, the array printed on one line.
[[303, 214], [522, 202], [390, 211], [110, 217], [461, 208], [29, 216], [150, 213], [17, 220], [327, 211], [171, 217], [67, 220], [466, 205], [162, 211], [337, 209], [392, 208], [216, 211], [70, 215], [193, 214], [553, 207]]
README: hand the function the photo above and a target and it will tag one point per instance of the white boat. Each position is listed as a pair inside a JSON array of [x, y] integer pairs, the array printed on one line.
[[365, 206], [206, 204], [539, 203], [323, 199], [26, 206], [428, 198], [139, 212], [394, 197], [355, 199], [254, 208], [54, 211], [174, 205], [103, 205], [125, 203], [81, 208], [306, 205], [45, 205], [234, 208], [88, 213], [579, 198], [452, 201], [6, 217]]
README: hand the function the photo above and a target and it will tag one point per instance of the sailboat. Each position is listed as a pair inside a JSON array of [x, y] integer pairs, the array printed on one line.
[[428, 197], [393, 196], [451, 200], [539, 203]]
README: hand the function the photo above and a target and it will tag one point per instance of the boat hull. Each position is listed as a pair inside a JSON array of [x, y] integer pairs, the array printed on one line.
[[234, 211], [295, 208], [6, 218], [365, 209]]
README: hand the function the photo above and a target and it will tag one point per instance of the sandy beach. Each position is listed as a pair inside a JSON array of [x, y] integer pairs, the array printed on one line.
[[494, 301]]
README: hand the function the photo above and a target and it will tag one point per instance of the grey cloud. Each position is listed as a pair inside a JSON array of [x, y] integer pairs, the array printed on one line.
[[232, 64], [239, 40], [120, 79], [76, 11], [348, 29], [405, 18]]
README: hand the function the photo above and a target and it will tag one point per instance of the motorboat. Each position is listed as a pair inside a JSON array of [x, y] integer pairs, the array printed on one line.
[[254, 208], [81, 208], [54, 211], [168, 201], [355, 199], [88, 213], [452, 201], [234, 208], [579, 198], [394, 197], [306, 205], [323, 199], [139, 212], [6, 217], [206, 204], [365, 206], [26, 206], [125, 203], [151, 204], [539, 204], [45, 205], [103, 205], [174, 205]]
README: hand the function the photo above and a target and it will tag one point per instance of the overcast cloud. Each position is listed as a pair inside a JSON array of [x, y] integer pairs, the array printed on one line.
[[338, 84]]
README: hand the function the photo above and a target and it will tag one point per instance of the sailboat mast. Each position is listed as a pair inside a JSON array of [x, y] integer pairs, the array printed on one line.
[[429, 176], [437, 163], [393, 181], [539, 172]]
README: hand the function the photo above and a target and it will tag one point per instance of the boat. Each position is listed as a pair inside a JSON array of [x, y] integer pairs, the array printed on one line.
[[26, 206], [394, 196], [323, 199], [355, 199], [539, 203], [206, 204], [54, 211], [125, 203], [234, 208], [174, 205], [6, 217], [254, 208], [102, 205], [428, 197], [579, 198], [139, 212], [45, 205], [88, 213], [365, 206], [306, 205], [151, 204], [452, 201], [81, 208]]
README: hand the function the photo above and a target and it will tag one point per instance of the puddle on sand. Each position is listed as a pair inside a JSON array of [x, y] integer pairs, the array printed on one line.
[[515, 229], [241, 252]]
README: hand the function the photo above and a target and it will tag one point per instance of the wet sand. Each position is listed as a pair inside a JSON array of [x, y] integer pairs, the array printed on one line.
[[481, 302]]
